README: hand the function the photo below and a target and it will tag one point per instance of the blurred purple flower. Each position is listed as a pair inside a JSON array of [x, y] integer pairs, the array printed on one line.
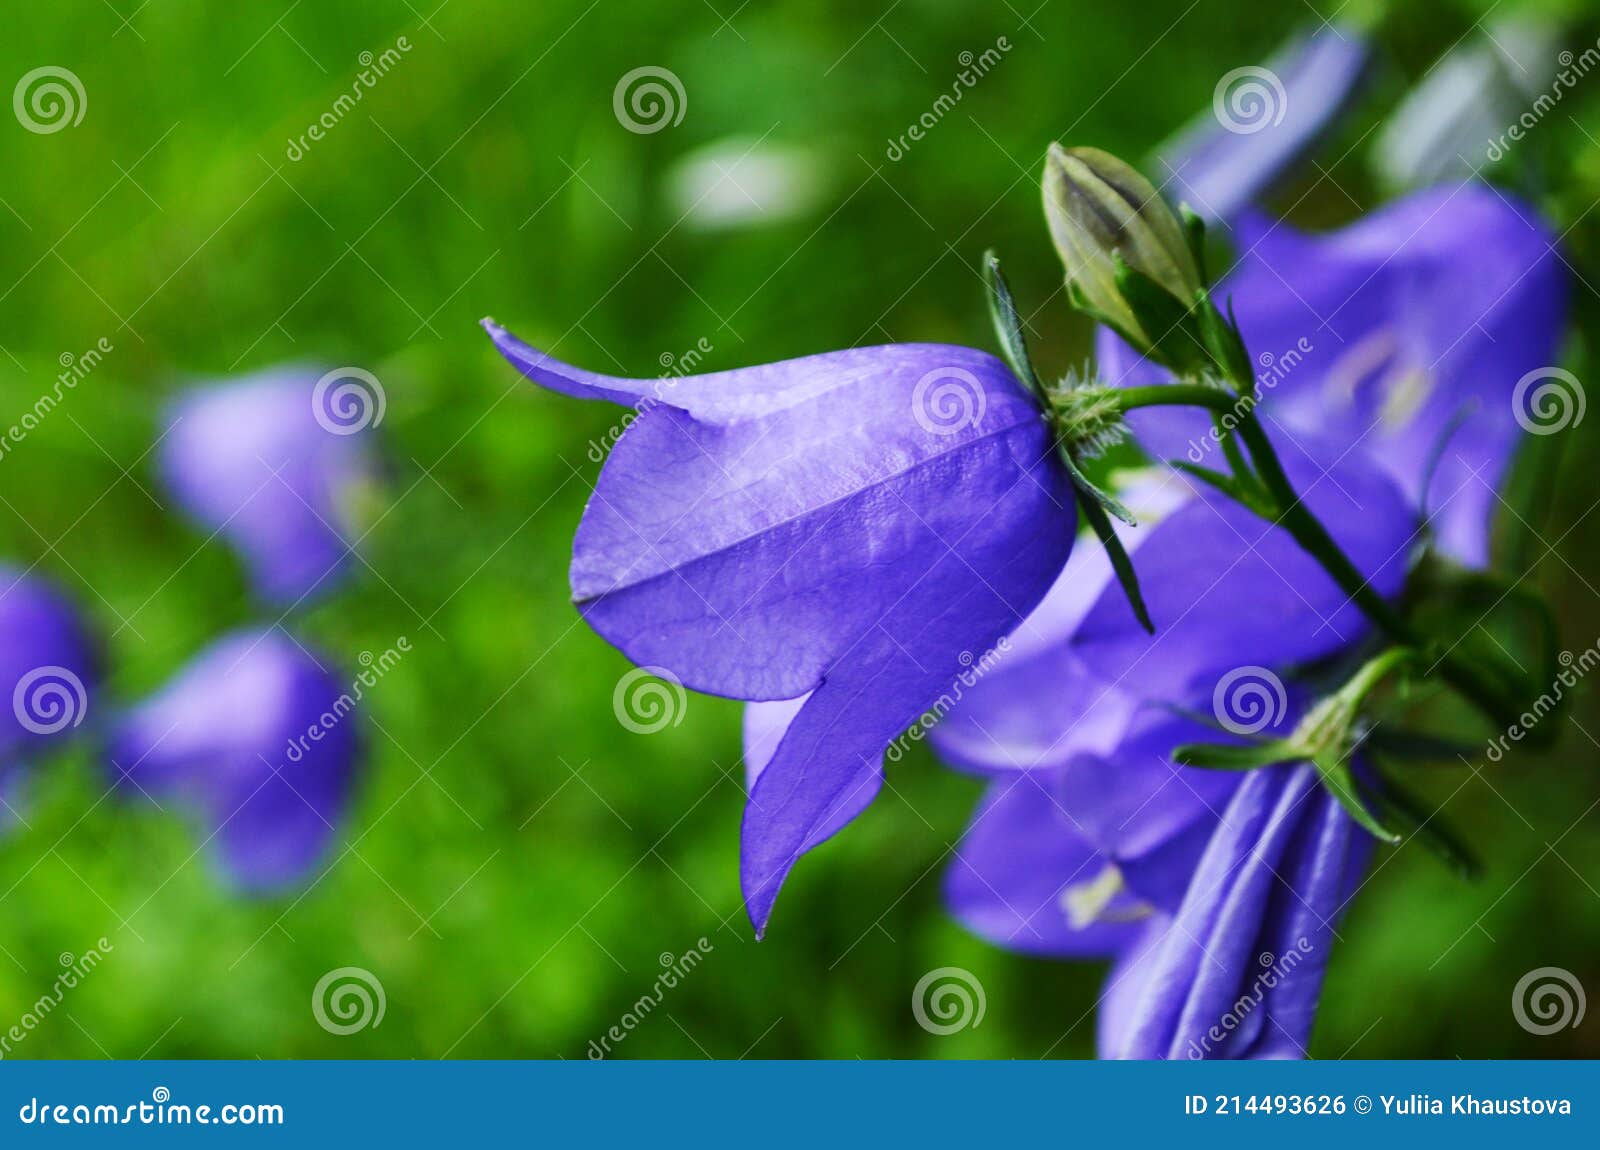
[[48, 666], [1406, 332], [1262, 120], [257, 736], [829, 537], [1092, 842], [271, 462]]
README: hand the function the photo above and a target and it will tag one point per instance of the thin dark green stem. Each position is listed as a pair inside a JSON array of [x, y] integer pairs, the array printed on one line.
[[1291, 513]]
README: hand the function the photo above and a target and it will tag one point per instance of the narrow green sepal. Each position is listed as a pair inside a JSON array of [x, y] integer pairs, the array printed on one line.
[[1419, 747], [1225, 346], [1080, 303], [1008, 325], [1086, 487], [1236, 756], [1341, 784], [1121, 564], [1246, 494], [1173, 335]]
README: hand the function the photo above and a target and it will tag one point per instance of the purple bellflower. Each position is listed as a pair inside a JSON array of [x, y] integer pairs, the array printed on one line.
[[827, 538], [272, 462], [256, 736], [1091, 841], [48, 667], [1263, 119], [1413, 335]]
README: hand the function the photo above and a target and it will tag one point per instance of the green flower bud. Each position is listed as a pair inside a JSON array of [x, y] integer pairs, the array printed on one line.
[[1101, 211]]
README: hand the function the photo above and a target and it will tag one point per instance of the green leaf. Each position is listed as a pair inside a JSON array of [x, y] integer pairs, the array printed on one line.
[[1429, 828], [1121, 564], [1194, 231], [1174, 337]]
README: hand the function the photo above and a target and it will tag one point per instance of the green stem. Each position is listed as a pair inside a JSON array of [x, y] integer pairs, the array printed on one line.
[[1292, 514]]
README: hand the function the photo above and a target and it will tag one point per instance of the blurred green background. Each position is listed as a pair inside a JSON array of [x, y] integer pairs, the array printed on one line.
[[519, 861]]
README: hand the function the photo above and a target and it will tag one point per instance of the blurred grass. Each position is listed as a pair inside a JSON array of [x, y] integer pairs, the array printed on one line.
[[519, 862]]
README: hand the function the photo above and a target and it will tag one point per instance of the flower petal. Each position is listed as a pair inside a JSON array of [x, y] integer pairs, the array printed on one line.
[[258, 736], [1016, 870], [1263, 120], [1236, 973]]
